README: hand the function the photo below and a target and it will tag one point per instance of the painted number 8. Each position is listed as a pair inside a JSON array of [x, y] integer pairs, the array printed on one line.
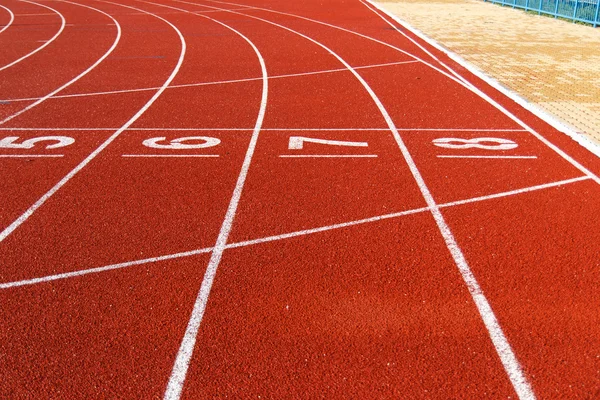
[[486, 143]]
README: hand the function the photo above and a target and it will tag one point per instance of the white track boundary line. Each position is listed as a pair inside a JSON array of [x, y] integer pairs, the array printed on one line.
[[495, 157], [462, 81], [198, 12], [186, 349], [33, 15], [8, 230], [110, 267], [501, 344], [11, 19], [30, 155], [272, 129], [582, 140], [57, 34], [414, 57], [188, 85], [81, 75], [170, 155], [328, 156], [267, 239]]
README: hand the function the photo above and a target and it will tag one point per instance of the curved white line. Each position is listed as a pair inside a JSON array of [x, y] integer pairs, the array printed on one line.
[[579, 138], [81, 75], [186, 349], [12, 18], [462, 81], [504, 350], [60, 30], [341, 29], [8, 230]]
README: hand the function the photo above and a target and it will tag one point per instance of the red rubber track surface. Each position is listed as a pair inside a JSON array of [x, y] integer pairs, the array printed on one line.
[[335, 281]]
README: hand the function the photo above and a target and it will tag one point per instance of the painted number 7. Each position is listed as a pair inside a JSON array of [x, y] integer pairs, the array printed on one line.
[[297, 142]]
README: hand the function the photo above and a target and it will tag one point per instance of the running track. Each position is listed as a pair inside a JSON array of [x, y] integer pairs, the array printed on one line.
[[272, 199]]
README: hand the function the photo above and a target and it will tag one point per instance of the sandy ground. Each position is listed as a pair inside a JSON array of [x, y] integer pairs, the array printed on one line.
[[551, 63]]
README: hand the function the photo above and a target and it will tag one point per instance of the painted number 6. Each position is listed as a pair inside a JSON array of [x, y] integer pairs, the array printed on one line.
[[486, 143], [192, 142]]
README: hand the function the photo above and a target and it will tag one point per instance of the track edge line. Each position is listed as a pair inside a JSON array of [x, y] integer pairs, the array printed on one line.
[[551, 120]]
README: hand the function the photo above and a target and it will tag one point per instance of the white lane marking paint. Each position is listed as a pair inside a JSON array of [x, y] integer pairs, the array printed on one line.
[[188, 85], [505, 352], [328, 156], [475, 143], [110, 267], [10, 142], [32, 15], [197, 12], [297, 142], [170, 155], [507, 157], [501, 344], [587, 143], [186, 349], [515, 192], [270, 129], [216, 11], [10, 20], [30, 155], [8, 230], [290, 235], [408, 54], [81, 75], [192, 142], [306, 232], [52, 39]]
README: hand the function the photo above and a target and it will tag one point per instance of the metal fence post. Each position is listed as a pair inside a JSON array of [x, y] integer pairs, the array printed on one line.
[[556, 9], [527, 5], [597, 14], [575, 10]]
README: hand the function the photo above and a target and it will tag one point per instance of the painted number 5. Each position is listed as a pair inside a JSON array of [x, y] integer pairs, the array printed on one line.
[[192, 142], [10, 142], [486, 143]]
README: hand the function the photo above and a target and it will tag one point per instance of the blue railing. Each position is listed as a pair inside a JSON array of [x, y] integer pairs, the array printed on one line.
[[587, 11]]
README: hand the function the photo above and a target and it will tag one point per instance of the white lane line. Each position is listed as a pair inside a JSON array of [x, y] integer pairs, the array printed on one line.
[[57, 34], [8, 230], [466, 84], [480, 93], [81, 75], [186, 349], [503, 348], [508, 157], [408, 54], [328, 156], [290, 235], [514, 192], [11, 19], [170, 155], [110, 267], [501, 344], [270, 129], [230, 81], [30, 155], [32, 15]]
